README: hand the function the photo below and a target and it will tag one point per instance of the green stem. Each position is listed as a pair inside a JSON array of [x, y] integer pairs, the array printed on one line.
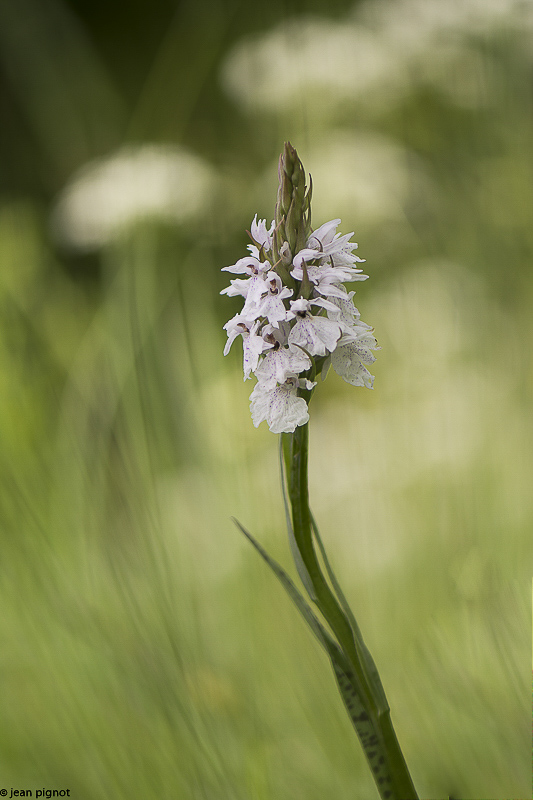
[[399, 785], [297, 470]]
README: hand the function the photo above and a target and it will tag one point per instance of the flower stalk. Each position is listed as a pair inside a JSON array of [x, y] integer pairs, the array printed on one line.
[[354, 668], [299, 319]]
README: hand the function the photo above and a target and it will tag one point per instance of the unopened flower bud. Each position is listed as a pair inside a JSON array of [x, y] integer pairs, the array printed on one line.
[[285, 254], [293, 205]]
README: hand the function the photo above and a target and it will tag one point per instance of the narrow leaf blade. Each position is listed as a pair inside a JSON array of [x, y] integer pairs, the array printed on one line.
[[366, 728], [367, 661], [297, 598]]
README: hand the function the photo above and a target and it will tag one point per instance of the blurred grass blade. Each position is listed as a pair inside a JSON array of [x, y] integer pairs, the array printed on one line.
[[60, 81]]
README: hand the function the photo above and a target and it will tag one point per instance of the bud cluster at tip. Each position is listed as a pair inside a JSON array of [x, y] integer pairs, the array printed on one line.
[[293, 207], [298, 318]]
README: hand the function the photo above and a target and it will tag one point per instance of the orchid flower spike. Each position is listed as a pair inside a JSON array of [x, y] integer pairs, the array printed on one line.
[[298, 318]]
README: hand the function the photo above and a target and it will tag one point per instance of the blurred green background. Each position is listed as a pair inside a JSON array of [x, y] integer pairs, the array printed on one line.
[[146, 652]]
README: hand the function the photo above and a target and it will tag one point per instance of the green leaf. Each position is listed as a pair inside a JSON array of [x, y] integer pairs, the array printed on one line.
[[366, 729], [365, 656], [298, 599], [369, 735]]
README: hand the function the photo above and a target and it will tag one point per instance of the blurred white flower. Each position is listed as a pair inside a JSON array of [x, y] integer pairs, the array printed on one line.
[[308, 57], [108, 194], [413, 24], [384, 50], [364, 176]]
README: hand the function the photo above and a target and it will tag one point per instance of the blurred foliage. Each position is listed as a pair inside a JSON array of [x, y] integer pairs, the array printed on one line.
[[146, 652]]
